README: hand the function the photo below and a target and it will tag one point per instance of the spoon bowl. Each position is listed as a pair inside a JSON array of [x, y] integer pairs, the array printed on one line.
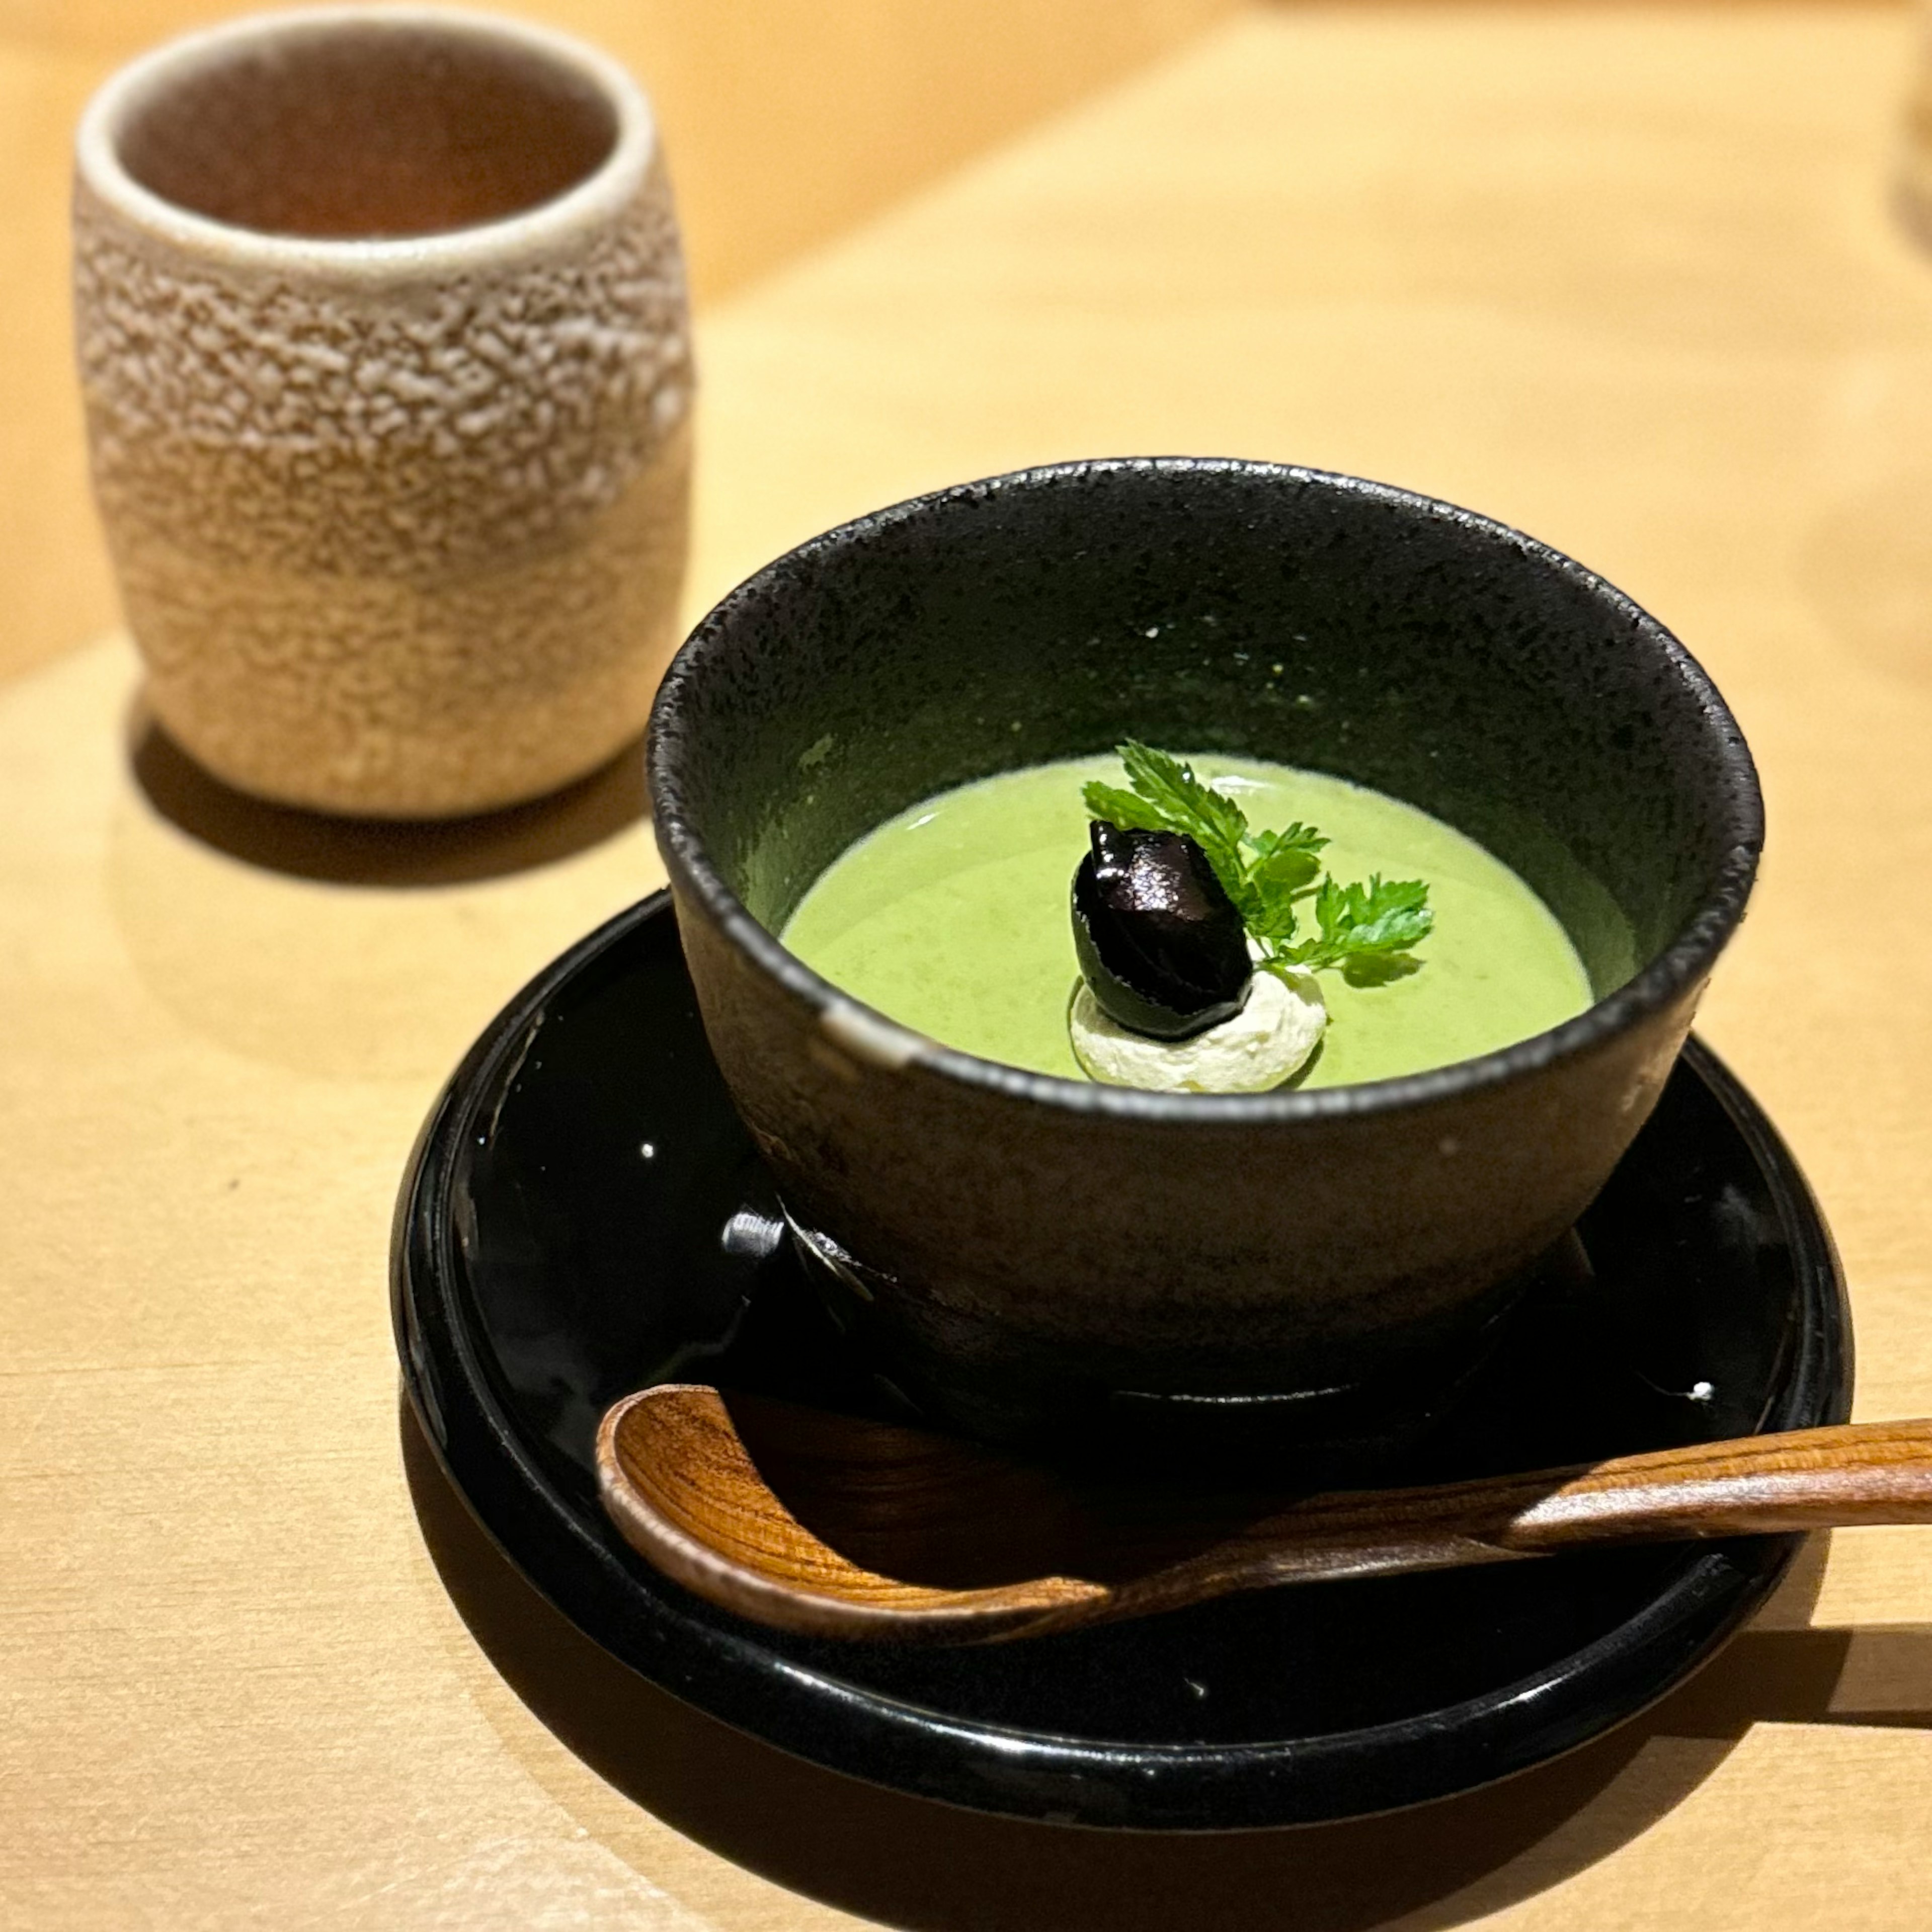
[[830, 1525]]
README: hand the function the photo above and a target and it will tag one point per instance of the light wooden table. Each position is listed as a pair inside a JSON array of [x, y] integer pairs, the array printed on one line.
[[1624, 277]]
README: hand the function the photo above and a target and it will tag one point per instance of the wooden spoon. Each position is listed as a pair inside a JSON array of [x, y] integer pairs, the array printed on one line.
[[895, 1535]]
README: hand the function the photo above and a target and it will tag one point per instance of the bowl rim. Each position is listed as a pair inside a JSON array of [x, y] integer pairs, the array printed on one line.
[[868, 1035]]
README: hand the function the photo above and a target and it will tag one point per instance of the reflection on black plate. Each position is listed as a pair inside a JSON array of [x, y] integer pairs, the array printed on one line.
[[584, 1215]]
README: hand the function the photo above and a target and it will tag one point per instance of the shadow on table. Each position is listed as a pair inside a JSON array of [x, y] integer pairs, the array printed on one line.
[[377, 852], [915, 1864]]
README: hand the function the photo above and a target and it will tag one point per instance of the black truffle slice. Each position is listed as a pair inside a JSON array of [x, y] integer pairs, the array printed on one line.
[[1159, 940]]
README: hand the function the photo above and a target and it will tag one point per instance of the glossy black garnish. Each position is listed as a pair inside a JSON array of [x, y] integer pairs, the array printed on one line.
[[1159, 940]]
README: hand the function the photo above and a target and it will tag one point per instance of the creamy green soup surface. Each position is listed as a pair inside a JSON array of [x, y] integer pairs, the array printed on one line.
[[953, 918]]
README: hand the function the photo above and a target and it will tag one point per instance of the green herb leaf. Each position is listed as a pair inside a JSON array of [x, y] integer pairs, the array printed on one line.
[[1215, 822], [1384, 918], [1303, 838], [1366, 931], [1283, 869], [1288, 869], [1124, 809]]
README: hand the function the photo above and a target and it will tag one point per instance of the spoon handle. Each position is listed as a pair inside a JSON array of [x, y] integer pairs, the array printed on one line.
[[1874, 1472], [1870, 1472], [1877, 1472]]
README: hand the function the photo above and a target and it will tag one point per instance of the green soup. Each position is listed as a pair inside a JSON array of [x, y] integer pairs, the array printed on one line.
[[953, 918]]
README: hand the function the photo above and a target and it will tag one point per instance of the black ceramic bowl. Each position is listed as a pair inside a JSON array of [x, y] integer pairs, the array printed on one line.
[[1025, 1255]]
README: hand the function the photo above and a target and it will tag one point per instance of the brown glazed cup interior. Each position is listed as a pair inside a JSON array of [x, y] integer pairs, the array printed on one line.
[[383, 127], [1031, 1257]]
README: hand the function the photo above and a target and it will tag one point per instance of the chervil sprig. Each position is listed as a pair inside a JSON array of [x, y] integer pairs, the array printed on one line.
[[1269, 875], [1377, 920]]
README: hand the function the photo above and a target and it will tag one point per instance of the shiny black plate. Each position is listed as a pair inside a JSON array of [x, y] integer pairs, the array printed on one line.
[[584, 1215]]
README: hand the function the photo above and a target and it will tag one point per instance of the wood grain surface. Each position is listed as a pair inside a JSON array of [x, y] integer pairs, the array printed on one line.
[[1624, 275]]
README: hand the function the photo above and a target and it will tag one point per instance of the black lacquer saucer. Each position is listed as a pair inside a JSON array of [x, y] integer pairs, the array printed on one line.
[[584, 1215]]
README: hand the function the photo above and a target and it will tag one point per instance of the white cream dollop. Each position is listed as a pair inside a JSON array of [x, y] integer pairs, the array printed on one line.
[[1266, 1042]]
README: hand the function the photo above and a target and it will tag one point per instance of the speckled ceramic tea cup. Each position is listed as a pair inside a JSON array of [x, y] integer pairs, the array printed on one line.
[[1026, 1255], [381, 323]]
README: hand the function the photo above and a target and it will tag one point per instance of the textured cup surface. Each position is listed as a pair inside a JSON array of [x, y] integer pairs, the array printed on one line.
[[381, 329], [1024, 1250]]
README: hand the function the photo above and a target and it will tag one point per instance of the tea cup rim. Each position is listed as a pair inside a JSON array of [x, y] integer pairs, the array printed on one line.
[[583, 207]]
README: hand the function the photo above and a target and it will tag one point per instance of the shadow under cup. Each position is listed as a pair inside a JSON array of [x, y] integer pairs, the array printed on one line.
[[1030, 1258]]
